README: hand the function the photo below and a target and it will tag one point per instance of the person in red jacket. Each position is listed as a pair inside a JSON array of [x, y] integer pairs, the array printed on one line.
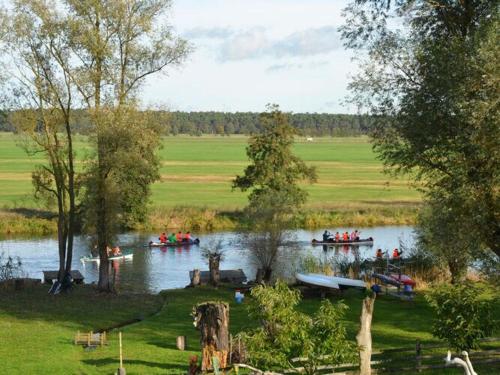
[[178, 236], [163, 238]]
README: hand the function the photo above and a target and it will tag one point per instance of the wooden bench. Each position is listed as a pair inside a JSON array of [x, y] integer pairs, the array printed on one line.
[[90, 338], [50, 276]]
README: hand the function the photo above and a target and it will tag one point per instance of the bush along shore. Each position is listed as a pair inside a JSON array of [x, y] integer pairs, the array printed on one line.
[[207, 219]]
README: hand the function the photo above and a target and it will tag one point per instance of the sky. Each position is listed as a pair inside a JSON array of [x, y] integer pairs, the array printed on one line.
[[248, 53]]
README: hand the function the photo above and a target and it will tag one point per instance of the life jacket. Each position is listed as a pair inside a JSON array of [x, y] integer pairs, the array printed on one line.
[[395, 254], [379, 254], [187, 236], [337, 237], [346, 236], [163, 238], [178, 237]]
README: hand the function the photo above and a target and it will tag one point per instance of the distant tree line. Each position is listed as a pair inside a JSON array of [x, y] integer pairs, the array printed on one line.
[[226, 123]]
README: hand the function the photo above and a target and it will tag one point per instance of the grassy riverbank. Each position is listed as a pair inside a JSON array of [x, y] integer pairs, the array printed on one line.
[[195, 186], [37, 330]]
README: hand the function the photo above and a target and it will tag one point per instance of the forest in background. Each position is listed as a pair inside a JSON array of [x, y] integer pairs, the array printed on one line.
[[226, 123]]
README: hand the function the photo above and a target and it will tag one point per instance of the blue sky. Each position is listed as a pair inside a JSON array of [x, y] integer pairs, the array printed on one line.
[[251, 52]]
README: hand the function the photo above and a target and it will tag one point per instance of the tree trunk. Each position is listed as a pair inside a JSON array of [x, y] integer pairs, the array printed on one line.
[[267, 275], [212, 319], [195, 280], [364, 337], [213, 266], [259, 276]]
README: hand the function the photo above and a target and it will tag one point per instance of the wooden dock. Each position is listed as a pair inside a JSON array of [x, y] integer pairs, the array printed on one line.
[[226, 276], [50, 276]]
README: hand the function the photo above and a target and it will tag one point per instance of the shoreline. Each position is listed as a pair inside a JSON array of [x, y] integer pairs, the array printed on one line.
[[40, 223]]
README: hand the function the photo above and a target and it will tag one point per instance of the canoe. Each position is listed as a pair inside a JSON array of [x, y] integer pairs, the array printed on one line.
[[183, 243], [333, 282], [386, 279], [393, 279], [115, 257], [361, 241], [404, 279]]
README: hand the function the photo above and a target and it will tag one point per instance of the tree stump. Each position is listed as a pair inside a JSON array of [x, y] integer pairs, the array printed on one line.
[[213, 266], [212, 319], [195, 279], [364, 337]]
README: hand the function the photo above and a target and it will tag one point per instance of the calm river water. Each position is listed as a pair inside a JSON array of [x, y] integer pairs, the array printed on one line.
[[154, 269]]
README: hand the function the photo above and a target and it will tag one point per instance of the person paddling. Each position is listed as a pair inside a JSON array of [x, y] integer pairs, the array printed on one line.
[[178, 236], [337, 237], [187, 237], [163, 238], [396, 254], [171, 238], [345, 237], [326, 236], [116, 251], [379, 254]]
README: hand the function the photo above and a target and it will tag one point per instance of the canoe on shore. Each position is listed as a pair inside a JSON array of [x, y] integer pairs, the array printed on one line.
[[111, 258], [177, 243], [395, 279], [325, 281], [362, 241]]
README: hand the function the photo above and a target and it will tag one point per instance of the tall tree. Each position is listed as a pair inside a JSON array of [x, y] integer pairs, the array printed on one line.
[[274, 167], [43, 96], [434, 88], [273, 178], [119, 44]]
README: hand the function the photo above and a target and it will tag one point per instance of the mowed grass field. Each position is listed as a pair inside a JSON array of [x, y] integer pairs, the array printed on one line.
[[197, 172]]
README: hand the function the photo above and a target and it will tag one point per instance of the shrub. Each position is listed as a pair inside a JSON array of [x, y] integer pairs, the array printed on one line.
[[463, 314], [286, 333]]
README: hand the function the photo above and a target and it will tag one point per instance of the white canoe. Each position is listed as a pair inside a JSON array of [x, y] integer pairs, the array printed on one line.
[[333, 282], [117, 257]]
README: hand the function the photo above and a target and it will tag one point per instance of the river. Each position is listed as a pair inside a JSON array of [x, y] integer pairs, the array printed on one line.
[[154, 269]]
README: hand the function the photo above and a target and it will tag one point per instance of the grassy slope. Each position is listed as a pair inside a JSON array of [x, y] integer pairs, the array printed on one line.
[[36, 330], [197, 172]]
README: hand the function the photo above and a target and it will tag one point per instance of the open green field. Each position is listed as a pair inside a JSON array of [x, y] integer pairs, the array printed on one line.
[[197, 172], [37, 330]]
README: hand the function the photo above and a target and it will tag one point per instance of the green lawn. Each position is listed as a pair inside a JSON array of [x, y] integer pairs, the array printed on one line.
[[197, 172], [36, 330]]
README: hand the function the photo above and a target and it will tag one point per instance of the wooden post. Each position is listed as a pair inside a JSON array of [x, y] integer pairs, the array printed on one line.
[[364, 337], [418, 355], [212, 319], [181, 342], [195, 279], [121, 370]]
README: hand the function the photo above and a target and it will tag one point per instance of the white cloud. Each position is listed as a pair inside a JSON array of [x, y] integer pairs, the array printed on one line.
[[256, 43], [208, 33]]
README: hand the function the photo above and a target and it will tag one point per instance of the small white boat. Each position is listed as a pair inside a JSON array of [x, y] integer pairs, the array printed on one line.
[[333, 282], [111, 258]]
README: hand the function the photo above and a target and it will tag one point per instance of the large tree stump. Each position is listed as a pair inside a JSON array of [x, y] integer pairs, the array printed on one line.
[[364, 337], [212, 319], [195, 279]]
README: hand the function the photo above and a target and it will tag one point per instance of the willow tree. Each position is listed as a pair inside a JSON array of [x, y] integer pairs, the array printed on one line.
[[118, 44], [41, 106], [433, 84]]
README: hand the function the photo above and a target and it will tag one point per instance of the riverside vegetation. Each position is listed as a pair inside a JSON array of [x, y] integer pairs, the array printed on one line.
[[195, 186]]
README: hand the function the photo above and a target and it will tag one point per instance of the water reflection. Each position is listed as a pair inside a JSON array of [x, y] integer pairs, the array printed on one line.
[[154, 269]]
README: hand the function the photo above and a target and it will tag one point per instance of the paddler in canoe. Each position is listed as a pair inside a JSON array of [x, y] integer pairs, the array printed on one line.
[[171, 238], [163, 238], [187, 237], [326, 236]]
